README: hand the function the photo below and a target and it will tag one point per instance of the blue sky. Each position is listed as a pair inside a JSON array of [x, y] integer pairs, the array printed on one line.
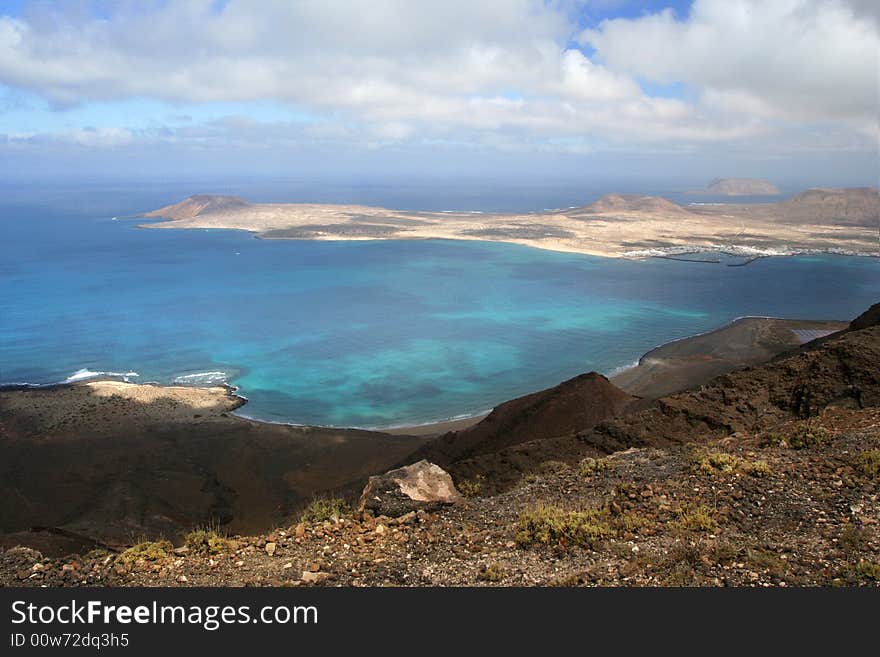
[[508, 87]]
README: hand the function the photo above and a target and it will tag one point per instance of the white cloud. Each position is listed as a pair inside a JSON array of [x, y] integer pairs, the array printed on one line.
[[796, 60], [381, 71], [101, 138]]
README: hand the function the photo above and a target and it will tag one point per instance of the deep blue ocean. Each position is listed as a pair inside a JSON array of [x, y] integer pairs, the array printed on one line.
[[356, 333]]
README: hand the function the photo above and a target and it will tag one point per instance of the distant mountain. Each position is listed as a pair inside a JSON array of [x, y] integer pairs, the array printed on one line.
[[199, 204], [610, 203], [853, 206], [742, 187]]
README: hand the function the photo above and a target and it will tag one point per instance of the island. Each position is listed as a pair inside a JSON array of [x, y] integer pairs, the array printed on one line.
[[741, 187], [843, 221]]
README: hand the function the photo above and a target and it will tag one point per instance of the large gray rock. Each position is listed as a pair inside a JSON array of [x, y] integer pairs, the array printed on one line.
[[421, 485]]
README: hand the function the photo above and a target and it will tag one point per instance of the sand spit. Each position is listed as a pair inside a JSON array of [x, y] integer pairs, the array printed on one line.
[[694, 360]]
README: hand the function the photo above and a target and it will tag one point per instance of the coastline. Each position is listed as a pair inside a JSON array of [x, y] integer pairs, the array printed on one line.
[[667, 252], [684, 361], [615, 226], [690, 361], [144, 391], [167, 458]]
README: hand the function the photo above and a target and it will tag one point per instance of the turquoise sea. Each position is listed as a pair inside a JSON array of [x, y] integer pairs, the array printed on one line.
[[355, 333]]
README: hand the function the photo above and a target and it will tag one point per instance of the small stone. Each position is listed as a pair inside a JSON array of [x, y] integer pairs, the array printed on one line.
[[314, 578], [381, 529], [300, 530], [182, 578], [287, 566], [270, 548], [314, 567]]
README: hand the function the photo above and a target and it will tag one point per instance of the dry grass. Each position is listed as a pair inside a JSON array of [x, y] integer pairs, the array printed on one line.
[[712, 463]]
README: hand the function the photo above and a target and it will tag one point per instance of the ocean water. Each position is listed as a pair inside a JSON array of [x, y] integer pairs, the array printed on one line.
[[366, 334]]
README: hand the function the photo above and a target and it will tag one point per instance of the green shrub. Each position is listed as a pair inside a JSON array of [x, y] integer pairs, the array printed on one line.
[[553, 525], [145, 551], [472, 487], [869, 463], [755, 468], [861, 573], [325, 508], [773, 440], [629, 522], [723, 463], [492, 572], [808, 436], [868, 570], [714, 462], [589, 466], [202, 541], [699, 518]]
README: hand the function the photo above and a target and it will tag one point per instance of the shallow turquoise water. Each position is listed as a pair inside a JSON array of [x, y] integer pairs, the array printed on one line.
[[363, 333]]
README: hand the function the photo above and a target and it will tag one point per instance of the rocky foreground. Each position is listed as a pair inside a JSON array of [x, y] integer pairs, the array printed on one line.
[[793, 508], [767, 476]]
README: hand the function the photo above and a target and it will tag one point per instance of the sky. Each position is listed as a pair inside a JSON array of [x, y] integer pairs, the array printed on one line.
[[517, 89]]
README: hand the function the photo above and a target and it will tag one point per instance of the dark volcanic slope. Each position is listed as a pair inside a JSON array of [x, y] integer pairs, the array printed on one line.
[[843, 372], [574, 405], [114, 475], [871, 317], [840, 370]]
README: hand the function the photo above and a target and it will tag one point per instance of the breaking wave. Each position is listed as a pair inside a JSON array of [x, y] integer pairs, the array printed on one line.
[[85, 374], [201, 378]]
